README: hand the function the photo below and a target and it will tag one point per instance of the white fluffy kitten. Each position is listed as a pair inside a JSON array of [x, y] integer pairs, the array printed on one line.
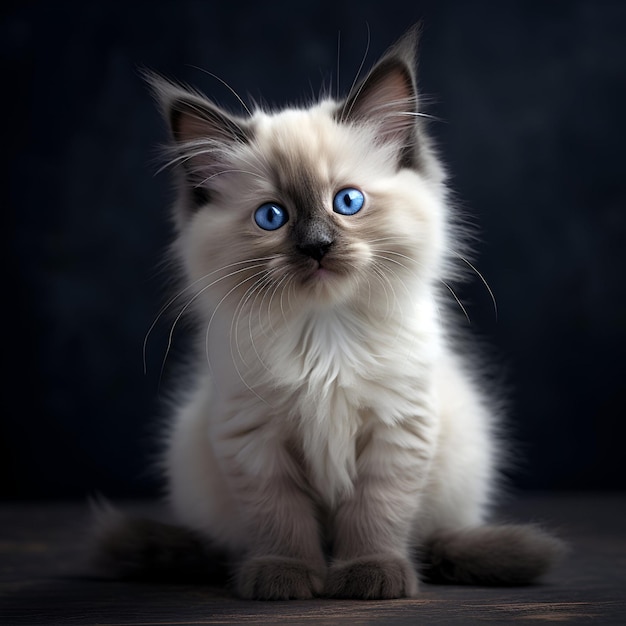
[[332, 432]]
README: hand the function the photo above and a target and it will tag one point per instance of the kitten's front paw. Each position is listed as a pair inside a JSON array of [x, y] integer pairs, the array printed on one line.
[[278, 578], [375, 577]]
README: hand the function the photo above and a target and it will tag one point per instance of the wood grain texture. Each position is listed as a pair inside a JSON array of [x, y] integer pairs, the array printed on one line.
[[43, 579]]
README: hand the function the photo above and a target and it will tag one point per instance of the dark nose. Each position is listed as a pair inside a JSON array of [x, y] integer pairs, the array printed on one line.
[[315, 249], [313, 238]]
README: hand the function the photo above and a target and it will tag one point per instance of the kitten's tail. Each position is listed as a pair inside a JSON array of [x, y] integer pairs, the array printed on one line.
[[137, 548], [508, 554]]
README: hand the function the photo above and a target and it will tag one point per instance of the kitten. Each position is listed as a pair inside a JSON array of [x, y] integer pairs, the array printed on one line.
[[332, 431]]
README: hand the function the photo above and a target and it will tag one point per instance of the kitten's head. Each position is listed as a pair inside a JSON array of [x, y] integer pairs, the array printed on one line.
[[312, 206]]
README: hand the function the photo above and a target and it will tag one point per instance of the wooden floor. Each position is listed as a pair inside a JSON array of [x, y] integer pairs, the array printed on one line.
[[43, 579]]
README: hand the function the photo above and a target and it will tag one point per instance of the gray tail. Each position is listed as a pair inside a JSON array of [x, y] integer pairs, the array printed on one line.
[[504, 555], [135, 548]]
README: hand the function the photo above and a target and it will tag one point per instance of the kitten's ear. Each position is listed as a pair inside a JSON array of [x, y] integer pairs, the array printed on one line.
[[202, 134], [387, 96]]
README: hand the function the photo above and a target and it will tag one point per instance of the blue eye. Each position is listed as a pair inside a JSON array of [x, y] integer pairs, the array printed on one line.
[[270, 216], [348, 201]]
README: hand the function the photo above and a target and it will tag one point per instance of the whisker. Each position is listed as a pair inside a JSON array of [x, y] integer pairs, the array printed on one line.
[[234, 325], [391, 109], [400, 308], [458, 301], [282, 295], [208, 330], [231, 171], [173, 299], [380, 256], [398, 278], [182, 153], [381, 278], [292, 288], [261, 308], [259, 284], [243, 104], [344, 115], [269, 304], [338, 59], [417, 114], [256, 288], [191, 301], [484, 281], [251, 332], [388, 238]]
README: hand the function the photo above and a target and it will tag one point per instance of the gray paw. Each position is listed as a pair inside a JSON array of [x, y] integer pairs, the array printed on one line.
[[278, 578], [375, 577]]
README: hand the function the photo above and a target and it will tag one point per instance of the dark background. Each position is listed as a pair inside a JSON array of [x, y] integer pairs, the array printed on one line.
[[532, 98]]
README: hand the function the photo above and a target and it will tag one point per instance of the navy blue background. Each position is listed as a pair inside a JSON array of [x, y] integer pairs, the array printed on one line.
[[532, 98]]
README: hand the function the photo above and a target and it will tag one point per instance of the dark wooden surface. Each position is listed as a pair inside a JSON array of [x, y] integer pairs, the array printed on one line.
[[43, 579]]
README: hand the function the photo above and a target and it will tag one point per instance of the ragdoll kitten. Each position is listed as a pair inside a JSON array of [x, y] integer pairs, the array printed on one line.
[[333, 437]]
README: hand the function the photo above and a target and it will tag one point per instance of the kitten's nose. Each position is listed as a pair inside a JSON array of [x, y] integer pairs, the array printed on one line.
[[313, 237], [315, 249]]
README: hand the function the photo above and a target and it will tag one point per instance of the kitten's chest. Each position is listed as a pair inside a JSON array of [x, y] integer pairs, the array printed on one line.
[[337, 373], [326, 388], [326, 354], [338, 362], [328, 378], [352, 381]]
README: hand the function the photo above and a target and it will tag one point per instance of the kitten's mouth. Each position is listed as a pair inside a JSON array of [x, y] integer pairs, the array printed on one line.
[[320, 271]]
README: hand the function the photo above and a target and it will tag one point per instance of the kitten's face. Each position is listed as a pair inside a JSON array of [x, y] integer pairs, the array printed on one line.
[[312, 206]]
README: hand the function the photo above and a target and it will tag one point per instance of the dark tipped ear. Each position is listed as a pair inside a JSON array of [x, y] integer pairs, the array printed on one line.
[[202, 134], [387, 96], [192, 119]]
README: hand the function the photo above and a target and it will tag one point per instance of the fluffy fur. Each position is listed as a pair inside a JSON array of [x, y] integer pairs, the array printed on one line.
[[332, 429]]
